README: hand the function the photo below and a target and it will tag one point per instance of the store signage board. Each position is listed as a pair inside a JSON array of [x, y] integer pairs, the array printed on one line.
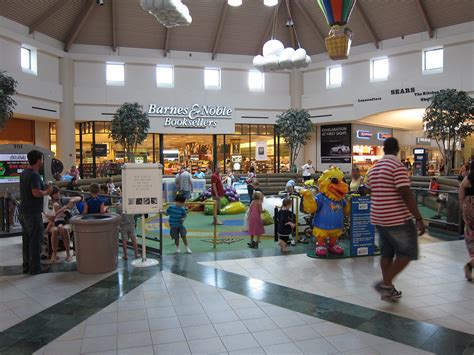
[[261, 151], [336, 144], [362, 231], [193, 119], [142, 188], [370, 135], [423, 141], [100, 150]]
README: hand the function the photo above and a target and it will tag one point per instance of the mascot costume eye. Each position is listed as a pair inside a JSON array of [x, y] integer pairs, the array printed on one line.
[[329, 208]]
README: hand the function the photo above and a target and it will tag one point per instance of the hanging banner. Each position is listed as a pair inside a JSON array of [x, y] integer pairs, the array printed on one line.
[[362, 231], [142, 188], [261, 151], [336, 143]]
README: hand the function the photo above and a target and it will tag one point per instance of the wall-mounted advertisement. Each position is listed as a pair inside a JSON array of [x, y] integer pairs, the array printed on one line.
[[261, 151], [336, 144], [11, 166]]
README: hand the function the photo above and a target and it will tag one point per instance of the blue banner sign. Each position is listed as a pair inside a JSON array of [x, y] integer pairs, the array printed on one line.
[[362, 231]]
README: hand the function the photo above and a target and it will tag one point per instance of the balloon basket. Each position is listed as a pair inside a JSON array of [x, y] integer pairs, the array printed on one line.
[[338, 46]]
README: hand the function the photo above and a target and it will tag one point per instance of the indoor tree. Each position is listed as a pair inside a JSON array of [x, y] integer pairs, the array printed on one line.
[[295, 126], [7, 104], [449, 119], [129, 128]]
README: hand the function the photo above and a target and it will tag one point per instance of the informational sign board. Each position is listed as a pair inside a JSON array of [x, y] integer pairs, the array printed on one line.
[[336, 144], [100, 150], [11, 166], [142, 188], [362, 231], [261, 151]]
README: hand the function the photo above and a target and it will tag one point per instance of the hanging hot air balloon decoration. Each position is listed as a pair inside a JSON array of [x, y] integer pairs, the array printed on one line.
[[337, 13]]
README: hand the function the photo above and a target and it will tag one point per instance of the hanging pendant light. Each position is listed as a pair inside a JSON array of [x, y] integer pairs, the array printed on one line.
[[234, 3], [270, 2]]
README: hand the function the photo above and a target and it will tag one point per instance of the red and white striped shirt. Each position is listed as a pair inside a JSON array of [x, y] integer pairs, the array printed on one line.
[[388, 207]]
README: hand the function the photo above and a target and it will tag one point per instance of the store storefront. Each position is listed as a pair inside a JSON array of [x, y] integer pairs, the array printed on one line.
[[97, 155], [367, 145]]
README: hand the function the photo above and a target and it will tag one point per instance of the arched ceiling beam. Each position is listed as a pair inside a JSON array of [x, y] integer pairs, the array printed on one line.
[[424, 16], [58, 5], [368, 26], [167, 41], [290, 28], [219, 30], [78, 24], [114, 24], [311, 22]]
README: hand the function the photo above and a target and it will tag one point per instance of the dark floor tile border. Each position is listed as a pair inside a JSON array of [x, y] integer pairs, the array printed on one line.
[[421, 335], [39, 330], [42, 328]]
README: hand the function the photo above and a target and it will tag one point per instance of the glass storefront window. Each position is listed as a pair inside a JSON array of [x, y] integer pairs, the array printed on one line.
[[194, 151]]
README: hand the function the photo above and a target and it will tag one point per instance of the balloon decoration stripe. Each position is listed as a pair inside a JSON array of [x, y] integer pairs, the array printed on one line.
[[336, 12]]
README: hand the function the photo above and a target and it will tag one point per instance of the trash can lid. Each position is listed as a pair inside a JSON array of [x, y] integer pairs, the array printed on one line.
[[95, 218]]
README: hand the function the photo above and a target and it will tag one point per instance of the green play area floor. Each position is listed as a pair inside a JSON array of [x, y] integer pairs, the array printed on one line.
[[231, 235]]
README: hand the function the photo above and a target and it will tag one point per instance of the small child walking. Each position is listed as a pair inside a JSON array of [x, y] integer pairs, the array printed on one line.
[[255, 223], [127, 229], [177, 214], [286, 224]]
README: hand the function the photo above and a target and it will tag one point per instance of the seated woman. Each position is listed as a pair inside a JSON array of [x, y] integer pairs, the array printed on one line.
[[59, 226]]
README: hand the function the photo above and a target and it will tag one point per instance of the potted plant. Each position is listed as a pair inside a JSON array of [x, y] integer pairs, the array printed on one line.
[[7, 104]]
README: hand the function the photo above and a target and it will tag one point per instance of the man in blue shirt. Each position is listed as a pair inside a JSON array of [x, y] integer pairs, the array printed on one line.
[[32, 192], [176, 215]]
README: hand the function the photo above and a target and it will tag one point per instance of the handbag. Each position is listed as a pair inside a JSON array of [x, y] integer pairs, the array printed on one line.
[[266, 217]]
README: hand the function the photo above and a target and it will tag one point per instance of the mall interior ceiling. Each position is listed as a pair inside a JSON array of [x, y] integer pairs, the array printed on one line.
[[244, 29]]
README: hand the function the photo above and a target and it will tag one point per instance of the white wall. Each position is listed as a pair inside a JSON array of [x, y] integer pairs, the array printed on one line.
[[92, 96]]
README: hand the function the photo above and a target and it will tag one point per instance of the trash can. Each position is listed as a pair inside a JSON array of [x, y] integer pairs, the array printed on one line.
[[96, 242]]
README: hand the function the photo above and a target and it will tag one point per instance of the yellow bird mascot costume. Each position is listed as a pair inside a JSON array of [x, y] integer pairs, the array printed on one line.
[[329, 208]]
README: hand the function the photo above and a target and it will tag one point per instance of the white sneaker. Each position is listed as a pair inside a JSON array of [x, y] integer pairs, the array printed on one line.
[[178, 250], [188, 250]]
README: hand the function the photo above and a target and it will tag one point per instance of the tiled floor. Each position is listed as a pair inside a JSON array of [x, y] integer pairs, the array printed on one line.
[[170, 314], [434, 288]]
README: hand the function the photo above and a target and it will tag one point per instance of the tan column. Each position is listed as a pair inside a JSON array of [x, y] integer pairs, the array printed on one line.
[[42, 134], [65, 134], [296, 97]]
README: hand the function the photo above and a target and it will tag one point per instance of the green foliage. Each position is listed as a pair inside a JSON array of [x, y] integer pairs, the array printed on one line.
[[448, 120], [7, 104], [295, 127], [129, 128]]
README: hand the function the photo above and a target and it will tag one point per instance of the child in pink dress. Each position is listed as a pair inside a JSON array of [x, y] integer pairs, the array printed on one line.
[[255, 222]]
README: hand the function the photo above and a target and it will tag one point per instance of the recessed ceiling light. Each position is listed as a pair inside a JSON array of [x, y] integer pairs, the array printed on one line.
[[234, 3], [270, 2]]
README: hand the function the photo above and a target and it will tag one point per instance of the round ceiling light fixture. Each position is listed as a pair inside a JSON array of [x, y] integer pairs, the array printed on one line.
[[270, 2], [234, 3]]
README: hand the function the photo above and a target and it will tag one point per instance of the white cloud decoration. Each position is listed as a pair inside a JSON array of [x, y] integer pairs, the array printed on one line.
[[170, 13], [277, 57]]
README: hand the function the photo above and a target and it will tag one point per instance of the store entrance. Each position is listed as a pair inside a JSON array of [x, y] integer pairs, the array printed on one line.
[[194, 151]]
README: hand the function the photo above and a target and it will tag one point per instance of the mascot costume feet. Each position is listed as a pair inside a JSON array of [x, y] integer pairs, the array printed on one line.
[[329, 208]]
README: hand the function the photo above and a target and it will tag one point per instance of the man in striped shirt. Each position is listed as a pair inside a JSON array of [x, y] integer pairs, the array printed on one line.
[[392, 212]]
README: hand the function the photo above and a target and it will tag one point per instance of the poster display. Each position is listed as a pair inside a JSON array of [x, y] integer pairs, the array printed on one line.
[[11, 167], [336, 143], [362, 231], [261, 151], [142, 188]]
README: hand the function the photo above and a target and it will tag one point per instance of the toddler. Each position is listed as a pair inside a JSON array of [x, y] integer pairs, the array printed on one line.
[[177, 214], [255, 223], [285, 224], [94, 204]]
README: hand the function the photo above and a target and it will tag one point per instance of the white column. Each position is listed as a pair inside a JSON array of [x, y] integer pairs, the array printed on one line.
[[296, 97], [65, 126]]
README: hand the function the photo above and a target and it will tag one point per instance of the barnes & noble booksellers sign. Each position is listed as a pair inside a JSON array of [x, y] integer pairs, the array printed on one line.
[[195, 119]]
